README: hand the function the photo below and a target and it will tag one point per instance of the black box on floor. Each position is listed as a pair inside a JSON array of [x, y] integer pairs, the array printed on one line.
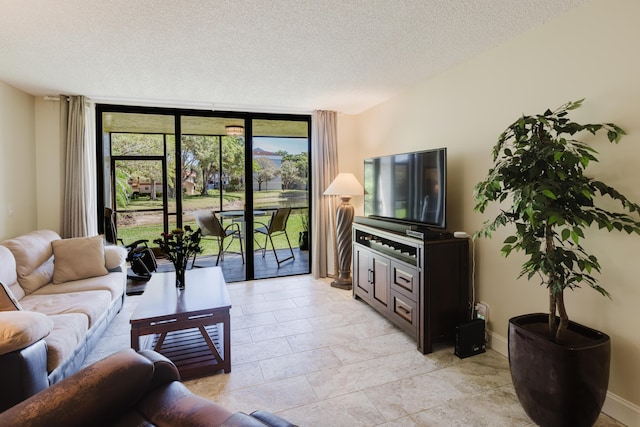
[[470, 338]]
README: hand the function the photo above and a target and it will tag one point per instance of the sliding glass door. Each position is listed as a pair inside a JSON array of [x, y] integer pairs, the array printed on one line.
[[160, 168], [213, 170], [280, 193]]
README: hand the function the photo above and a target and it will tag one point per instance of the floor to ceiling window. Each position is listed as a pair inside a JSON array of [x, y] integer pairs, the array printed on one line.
[[245, 169], [280, 158]]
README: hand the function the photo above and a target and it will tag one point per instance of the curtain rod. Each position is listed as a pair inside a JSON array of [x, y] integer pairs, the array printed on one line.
[[53, 98]]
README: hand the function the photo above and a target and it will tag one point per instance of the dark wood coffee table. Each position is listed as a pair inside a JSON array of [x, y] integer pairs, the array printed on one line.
[[190, 326]]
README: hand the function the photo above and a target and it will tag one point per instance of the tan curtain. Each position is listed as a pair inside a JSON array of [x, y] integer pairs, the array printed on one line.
[[79, 218], [324, 151]]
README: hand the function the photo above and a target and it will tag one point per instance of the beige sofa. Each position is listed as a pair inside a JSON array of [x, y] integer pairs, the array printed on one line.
[[57, 297]]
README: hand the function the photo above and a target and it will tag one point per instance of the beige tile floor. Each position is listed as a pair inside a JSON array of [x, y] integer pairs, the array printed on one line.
[[317, 357]]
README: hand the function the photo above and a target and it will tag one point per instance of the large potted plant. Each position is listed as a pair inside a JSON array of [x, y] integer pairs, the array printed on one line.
[[560, 369]]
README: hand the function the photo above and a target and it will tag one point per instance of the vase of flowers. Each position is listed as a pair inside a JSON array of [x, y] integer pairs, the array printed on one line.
[[180, 245]]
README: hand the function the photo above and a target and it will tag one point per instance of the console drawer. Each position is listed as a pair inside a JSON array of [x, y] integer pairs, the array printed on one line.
[[404, 280], [404, 313]]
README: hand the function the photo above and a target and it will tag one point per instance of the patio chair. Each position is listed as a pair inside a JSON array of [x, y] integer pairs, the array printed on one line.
[[277, 226], [139, 256], [210, 226]]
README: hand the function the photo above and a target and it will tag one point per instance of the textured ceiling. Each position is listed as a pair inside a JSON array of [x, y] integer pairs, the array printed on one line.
[[254, 55]]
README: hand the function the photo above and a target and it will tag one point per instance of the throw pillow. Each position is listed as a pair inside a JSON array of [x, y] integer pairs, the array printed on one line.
[[37, 278], [33, 258], [78, 258], [21, 329], [114, 256], [7, 301]]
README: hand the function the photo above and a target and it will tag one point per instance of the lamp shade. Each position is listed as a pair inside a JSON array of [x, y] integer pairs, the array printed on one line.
[[345, 184]]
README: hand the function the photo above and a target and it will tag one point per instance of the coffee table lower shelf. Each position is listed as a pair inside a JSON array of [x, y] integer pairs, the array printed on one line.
[[189, 350]]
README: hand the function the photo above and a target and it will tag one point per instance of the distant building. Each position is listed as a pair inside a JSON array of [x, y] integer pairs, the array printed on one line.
[[145, 188], [189, 184], [276, 182], [151, 188]]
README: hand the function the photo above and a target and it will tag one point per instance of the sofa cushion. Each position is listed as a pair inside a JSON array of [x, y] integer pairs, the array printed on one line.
[[114, 256], [19, 329], [92, 304], [7, 301], [78, 258], [115, 283], [8, 273], [38, 278], [68, 331], [32, 253]]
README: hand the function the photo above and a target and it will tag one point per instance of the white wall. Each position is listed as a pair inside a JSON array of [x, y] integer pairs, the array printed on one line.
[[49, 164], [17, 162], [31, 160], [591, 53]]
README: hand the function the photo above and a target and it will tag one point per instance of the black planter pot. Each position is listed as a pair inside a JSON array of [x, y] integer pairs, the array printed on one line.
[[303, 241], [558, 385]]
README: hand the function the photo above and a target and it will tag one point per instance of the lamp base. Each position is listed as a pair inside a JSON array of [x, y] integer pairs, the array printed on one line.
[[341, 285], [344, 219], [342, 282]]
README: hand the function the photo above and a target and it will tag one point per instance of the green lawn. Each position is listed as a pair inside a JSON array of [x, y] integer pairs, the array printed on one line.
[[152, 228], [230, 200]]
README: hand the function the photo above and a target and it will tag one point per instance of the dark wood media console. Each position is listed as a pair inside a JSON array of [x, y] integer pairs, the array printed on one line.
[[420, 284]]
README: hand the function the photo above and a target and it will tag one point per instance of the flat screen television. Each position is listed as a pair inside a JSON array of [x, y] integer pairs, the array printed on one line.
[[409, 188]]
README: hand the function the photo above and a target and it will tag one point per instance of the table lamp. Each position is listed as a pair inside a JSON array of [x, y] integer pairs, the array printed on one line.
[[344, 185]]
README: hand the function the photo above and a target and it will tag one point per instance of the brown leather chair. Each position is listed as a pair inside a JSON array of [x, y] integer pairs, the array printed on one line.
[[128, 389]]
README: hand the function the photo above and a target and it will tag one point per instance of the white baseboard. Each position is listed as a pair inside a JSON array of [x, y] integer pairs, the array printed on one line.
[[498, 343], [622, 410], [616, 407]]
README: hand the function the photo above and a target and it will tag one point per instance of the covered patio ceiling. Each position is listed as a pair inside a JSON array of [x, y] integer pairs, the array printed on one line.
[[119, 122]]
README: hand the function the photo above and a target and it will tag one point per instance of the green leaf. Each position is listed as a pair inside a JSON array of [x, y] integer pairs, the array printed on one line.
[[530, 213], [511, 239], [549, 194], [575, 237], [584, 161], [574, 105]]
